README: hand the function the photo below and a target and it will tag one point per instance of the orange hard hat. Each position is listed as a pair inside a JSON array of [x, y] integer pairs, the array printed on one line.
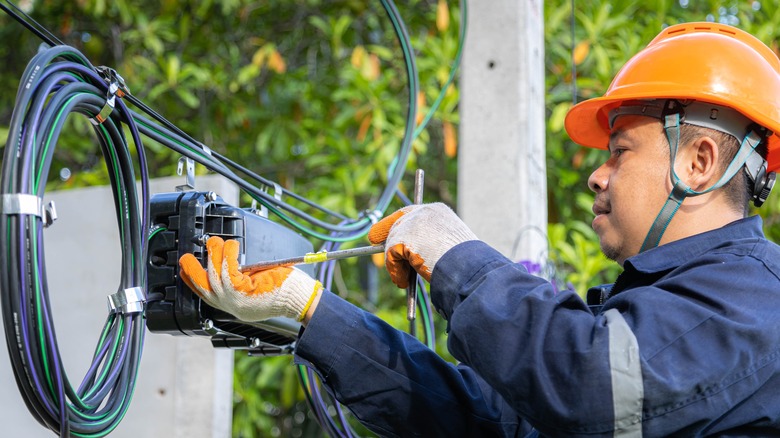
[[708, 62]]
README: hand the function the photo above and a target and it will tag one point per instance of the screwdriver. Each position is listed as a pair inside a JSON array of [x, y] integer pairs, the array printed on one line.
[[323, 256], [313, 257], [411, 290]]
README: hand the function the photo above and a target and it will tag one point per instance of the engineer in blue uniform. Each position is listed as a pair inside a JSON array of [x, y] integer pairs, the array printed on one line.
[[687, 340]]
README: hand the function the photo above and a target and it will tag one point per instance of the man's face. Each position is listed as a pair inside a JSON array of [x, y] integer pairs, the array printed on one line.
[[631, 186]]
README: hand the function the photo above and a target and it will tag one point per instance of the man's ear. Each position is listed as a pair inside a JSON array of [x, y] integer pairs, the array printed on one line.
[[697, 163]]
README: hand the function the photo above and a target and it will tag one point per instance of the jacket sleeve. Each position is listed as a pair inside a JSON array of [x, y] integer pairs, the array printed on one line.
[[393, 383], [542, 349]]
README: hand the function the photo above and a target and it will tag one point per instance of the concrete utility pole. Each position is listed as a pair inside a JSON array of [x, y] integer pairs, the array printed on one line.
[[502, 187]]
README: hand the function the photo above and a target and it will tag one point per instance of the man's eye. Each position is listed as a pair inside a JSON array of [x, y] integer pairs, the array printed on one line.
[[617, 152]]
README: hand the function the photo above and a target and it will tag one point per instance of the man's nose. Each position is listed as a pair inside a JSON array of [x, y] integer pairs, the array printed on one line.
[[599, 179]]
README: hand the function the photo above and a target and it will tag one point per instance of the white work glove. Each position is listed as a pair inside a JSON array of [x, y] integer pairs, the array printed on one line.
[[282, 291], [418, 235]]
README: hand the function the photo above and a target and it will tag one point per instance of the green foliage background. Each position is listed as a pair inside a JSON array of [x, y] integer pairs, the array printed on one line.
[[311, 93]]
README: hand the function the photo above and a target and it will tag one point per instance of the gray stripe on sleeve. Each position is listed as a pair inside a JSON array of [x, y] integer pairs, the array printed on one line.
[[626, 372]]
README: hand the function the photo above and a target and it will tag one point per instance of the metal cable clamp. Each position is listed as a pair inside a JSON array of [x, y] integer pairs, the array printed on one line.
[[116, 88], [112, 77], [278, 192], [130, 300], [186, 165], [23, 203], [373, 216]]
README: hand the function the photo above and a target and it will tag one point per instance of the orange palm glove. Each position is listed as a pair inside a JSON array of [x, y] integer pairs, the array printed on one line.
[[258, 296], [417, 236]]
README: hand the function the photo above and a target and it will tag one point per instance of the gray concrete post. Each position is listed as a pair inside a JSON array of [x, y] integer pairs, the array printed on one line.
[[502, 188]]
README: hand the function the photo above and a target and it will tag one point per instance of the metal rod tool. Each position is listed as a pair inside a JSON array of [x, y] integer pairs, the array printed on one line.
[[313, 257], [411, 291]]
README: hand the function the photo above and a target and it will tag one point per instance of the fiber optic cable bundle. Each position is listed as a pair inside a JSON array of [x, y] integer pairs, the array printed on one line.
[[304, 215], [59, 81]]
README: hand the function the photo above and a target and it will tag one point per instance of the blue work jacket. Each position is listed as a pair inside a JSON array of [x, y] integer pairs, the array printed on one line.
[[686, 343]]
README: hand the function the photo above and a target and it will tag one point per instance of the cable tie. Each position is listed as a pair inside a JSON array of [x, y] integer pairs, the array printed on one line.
[[130, 300], [206, 150], [22, 203]]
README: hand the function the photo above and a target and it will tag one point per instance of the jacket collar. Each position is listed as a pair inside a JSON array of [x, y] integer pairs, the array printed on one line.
[[674, 254]]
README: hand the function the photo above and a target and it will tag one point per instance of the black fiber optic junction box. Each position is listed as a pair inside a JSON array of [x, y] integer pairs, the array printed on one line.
[[181, 223]]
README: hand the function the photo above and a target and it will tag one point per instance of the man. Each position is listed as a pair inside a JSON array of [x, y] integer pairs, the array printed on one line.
[[687, 340]]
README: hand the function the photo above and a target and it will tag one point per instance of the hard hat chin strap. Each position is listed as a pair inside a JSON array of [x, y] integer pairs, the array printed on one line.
[[680, 190]]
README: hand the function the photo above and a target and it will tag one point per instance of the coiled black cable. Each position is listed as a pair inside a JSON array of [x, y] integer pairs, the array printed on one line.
[[59, 81]]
